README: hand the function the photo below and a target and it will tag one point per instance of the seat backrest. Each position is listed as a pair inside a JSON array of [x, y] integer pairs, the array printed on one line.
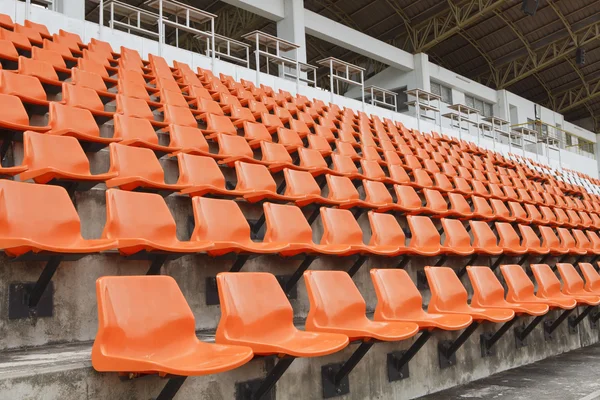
[[530, 239], [252, 304], [483, 236], [62, 153], [340, 227], [219, 220], [592, 278], [424, 233], [487, 289], [275, 153], [49, 56], [396, 293], [12, 110], [72, 119], [571, 280], [376, 192], [286, 224], [341, 188], [82, 97], [199, 170], [21, 85], [179, 116], [547, 282], [385, 230], [132, 128], [343, 164], [143, 313], [407, 196], [130, 88], [311, 158], [231, 146], [447, 292], [87, 79], [40, 213], [566, 239], [300, 183], [334, 299], [456, 234], [130, 161], [509, 239], [520, 287], [187, 138], [133, 107], [482, 207], [256, 131], [581, 240], [436, 202], [254, 177], [549, 238], [38, 68], [127, 217]]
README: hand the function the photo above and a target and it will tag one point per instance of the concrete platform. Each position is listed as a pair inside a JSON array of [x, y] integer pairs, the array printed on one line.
[[569, 376]]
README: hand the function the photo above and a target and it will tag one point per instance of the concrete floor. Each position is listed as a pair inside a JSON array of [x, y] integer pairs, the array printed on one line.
[[569, 376]]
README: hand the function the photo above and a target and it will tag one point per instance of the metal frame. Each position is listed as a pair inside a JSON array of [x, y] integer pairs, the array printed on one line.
[[257, 388], [427, 97], [463, 113], [376, 92], [139, 16], [342, 71], [226, 47]]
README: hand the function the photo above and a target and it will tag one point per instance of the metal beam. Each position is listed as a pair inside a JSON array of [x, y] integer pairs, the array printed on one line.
[[542, 57], [454, 19]]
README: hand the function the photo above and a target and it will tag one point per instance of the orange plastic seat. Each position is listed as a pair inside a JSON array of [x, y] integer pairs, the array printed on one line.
[[509, 240], [14, 117], [340, 228], [137, 108], [42, 218], [343, 193], [457, 241], [521, 289], [234, 148], [27, 88], [549, 287], [484, 239], [336, 306], [449, 296], [425, 240], [127, 222], [189, 140], [287, 226], [592, 278], [567, 241], [398, 299], [222, 223], [156, 331], [489, 293], [76, 122], [137, 168], [386, 233], [138, 132], [61, 158], [573, 285], [249, 297]]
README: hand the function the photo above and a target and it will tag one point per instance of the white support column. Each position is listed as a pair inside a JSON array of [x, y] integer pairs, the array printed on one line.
[[291, 28], [71, 8], [422, 79]]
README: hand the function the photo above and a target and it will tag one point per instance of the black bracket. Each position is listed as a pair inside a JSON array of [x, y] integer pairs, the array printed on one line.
[[156, 263], [258, 224], [544, 258], [470, 261], [563, 258], [397, 362], [574, 321], [594, 317], [497, 262], [422, 283], [403, 262], [521, 332], [334, 377], [441, 261], [288, 283], [487, 340], [257, 389], [311, 218], [357, 264], [211, 291], [29, 299], [551, 325], [171, 388], [447, 348]]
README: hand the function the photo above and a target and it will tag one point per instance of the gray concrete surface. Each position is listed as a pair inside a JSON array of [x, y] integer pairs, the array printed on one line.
[[569, 376]]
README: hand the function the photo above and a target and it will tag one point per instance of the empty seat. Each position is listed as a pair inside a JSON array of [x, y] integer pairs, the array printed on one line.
[[142, 222], [336, 306], [137, 168], [398, 299], [60, 158], [14, 117], [138, 132], [489, 293], [255, 312], [222, 223], [449, 296], [42, 218], [76, 122], [156, 331], [573, 285]]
